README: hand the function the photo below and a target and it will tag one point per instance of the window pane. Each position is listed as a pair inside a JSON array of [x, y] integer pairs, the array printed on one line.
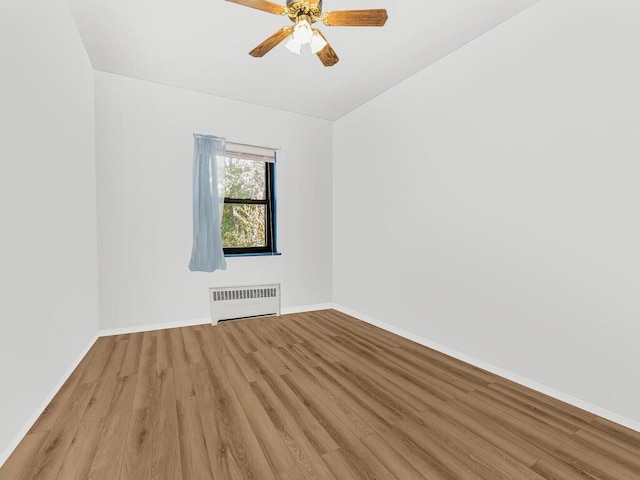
[[244, 179], [243, 226]]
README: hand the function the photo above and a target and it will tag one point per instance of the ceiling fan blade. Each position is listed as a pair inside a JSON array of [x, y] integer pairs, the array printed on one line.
[[266, 46], [327, 55], [263, 5], [356, 18]]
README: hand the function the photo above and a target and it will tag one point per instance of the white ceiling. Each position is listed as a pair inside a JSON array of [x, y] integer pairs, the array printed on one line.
[[203, 45]]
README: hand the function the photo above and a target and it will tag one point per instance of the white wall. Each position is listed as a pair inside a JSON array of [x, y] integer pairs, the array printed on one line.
[[490, 203], [48, 258], [144, 152]]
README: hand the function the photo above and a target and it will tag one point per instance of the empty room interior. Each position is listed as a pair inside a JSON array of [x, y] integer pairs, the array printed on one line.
[[396, 240]]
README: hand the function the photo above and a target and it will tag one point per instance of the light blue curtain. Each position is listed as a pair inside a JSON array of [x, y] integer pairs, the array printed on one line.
[[208, 197]]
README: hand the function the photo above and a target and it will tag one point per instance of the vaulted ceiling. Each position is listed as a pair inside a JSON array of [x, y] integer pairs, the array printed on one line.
[[203, 45]]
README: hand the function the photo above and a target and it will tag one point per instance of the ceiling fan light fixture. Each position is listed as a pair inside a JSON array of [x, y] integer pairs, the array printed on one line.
[[302, 34], [293, 46]]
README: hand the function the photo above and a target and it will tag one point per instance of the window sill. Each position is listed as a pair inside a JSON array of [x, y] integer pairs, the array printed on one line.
[[233, 255]]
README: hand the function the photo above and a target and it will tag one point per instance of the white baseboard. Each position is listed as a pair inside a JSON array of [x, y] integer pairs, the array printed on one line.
[[154, 326], [576, 402], [4, 455], [307, 308], [200, 321]]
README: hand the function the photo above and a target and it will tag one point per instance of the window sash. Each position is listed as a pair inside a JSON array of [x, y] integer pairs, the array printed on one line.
[[270, 213], [245, 201]]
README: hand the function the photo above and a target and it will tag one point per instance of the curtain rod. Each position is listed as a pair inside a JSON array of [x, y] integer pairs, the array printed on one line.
[[255, 146]]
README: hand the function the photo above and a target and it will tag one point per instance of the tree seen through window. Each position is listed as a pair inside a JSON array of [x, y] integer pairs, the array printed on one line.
[[247, 219]]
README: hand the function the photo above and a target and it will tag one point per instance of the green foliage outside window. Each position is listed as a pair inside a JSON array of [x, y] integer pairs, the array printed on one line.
[[244, 225]]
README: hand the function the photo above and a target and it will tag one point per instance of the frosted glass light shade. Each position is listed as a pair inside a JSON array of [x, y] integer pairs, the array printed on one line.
[[293, 46], [317, 42], [302, 34]]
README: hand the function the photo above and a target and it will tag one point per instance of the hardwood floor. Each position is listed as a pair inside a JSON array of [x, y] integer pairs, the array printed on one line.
[[307, 396]]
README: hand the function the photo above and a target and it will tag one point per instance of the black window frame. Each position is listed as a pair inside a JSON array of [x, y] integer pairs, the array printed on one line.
[[270, 216]]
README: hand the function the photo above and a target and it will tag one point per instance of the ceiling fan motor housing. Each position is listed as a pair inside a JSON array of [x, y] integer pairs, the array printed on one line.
[[295, 8]]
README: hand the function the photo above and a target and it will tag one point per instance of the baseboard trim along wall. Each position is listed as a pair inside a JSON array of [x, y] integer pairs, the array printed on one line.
[[307, 308], [200, 321], [576, 402], [23, 432], [154, 326]]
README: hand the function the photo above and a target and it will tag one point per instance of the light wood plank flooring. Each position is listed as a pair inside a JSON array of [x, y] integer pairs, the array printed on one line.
[[307, 396]]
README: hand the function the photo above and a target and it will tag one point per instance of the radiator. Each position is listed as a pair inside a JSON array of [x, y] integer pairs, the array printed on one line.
[[231, 303]]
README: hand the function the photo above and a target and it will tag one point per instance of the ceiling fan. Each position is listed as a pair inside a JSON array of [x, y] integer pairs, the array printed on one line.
[[304, 13]]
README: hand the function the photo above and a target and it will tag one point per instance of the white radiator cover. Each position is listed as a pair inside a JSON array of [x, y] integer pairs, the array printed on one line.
[[231, 303]]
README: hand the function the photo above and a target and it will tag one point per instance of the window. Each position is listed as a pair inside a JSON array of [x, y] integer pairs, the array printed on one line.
[[248, 218]]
